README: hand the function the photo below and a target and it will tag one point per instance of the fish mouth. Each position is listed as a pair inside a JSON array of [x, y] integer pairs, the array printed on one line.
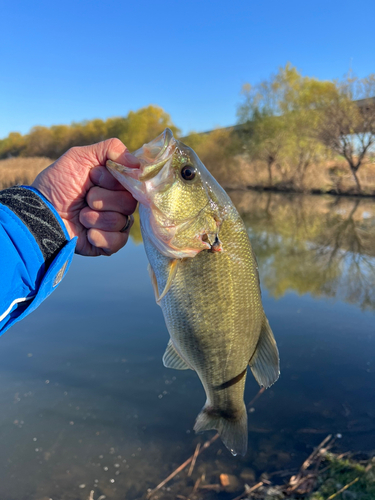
[[122, 169], [213, 242], [152, 157], [155, 155], [140, 174], [157, 149]]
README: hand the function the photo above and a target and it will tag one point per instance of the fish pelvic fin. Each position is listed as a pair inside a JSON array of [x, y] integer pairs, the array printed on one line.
[[172, 358], [265, 362], [231, 426]]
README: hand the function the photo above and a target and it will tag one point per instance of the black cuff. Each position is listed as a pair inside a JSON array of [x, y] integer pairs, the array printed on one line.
[[38, 218]]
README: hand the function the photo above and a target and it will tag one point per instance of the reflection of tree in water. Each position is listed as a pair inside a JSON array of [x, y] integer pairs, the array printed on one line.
[[350, 243], [324, 246]]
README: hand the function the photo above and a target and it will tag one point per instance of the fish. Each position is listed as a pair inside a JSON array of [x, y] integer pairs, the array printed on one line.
[[205, 279]]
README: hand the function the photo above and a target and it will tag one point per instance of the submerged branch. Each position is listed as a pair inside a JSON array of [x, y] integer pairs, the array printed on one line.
[[191, 460], [182, 466]]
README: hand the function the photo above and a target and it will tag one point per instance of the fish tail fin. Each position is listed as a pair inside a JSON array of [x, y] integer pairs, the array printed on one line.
[[231, 426]]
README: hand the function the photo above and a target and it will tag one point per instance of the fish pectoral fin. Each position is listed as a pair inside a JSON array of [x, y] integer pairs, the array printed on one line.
[[154, 282], [172, 359], [265, 362], [173, 266]]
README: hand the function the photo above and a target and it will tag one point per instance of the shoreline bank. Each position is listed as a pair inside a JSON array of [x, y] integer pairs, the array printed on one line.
[[285, 190]]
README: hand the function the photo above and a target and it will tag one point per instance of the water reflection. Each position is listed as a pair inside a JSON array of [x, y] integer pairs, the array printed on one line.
[[83, 374], [324, 246]]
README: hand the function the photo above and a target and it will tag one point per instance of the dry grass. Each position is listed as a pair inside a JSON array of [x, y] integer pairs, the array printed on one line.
[[331, 176], [232, 171], [21, 170]]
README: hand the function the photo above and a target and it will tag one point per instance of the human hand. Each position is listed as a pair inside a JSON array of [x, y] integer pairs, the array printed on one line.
[[91, 202]]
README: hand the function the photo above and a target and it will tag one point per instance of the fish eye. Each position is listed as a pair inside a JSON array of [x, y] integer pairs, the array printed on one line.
[[188, 172]]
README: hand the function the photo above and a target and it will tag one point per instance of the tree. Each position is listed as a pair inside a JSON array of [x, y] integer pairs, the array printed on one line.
[[117, 127], [146, 124], [39, 142], [264, 129], [217, 151], [298, 106], [134, 130], [348, 121], [62, 139], [279, 117], [302, 148], [12, 145]]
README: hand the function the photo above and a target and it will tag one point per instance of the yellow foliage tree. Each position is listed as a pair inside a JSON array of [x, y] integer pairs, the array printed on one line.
[[217, 151], [134, 130], [279, 121], [146, 124]]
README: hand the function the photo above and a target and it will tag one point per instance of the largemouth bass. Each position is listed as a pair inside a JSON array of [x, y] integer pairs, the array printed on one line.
[[205, 279]]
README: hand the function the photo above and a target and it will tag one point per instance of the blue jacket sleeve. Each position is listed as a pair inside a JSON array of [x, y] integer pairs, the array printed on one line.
[[35, 252]]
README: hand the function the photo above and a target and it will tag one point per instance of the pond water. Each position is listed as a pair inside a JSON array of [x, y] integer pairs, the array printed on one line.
[[86, 403]]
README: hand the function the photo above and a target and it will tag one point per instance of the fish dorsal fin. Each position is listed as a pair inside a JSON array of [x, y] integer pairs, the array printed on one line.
[[173, 266], [172, 359], [265, 362]]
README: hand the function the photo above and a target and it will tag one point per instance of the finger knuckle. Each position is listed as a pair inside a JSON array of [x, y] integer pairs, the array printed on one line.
[[74, 151], [83, 218], [93, 199], [126, 201], [114, 144], [111, 219], [89, 218]]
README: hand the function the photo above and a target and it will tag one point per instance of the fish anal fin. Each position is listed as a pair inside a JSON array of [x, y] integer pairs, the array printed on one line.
[[173, 266], [172, 359], [265, 362]]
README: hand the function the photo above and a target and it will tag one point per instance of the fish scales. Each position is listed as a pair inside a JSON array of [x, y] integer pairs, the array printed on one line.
[[206, 281], [211, 306]]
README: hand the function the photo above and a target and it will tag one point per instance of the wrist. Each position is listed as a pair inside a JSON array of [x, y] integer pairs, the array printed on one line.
[[40, 218], [45, 195]]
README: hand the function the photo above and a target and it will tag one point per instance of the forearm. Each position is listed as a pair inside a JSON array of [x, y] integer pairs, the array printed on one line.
[[35, 252]]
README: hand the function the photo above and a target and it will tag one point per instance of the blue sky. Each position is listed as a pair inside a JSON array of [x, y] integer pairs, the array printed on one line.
[[74, 60]]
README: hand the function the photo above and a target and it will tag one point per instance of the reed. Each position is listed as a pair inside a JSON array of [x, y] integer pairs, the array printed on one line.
[[15, 171], [232, 171]]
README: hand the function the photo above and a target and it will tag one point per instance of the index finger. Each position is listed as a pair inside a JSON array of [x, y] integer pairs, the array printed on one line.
[[100, 176]]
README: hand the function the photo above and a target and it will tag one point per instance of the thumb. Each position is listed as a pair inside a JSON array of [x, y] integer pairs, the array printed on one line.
[[98, 154], [115, 150]]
